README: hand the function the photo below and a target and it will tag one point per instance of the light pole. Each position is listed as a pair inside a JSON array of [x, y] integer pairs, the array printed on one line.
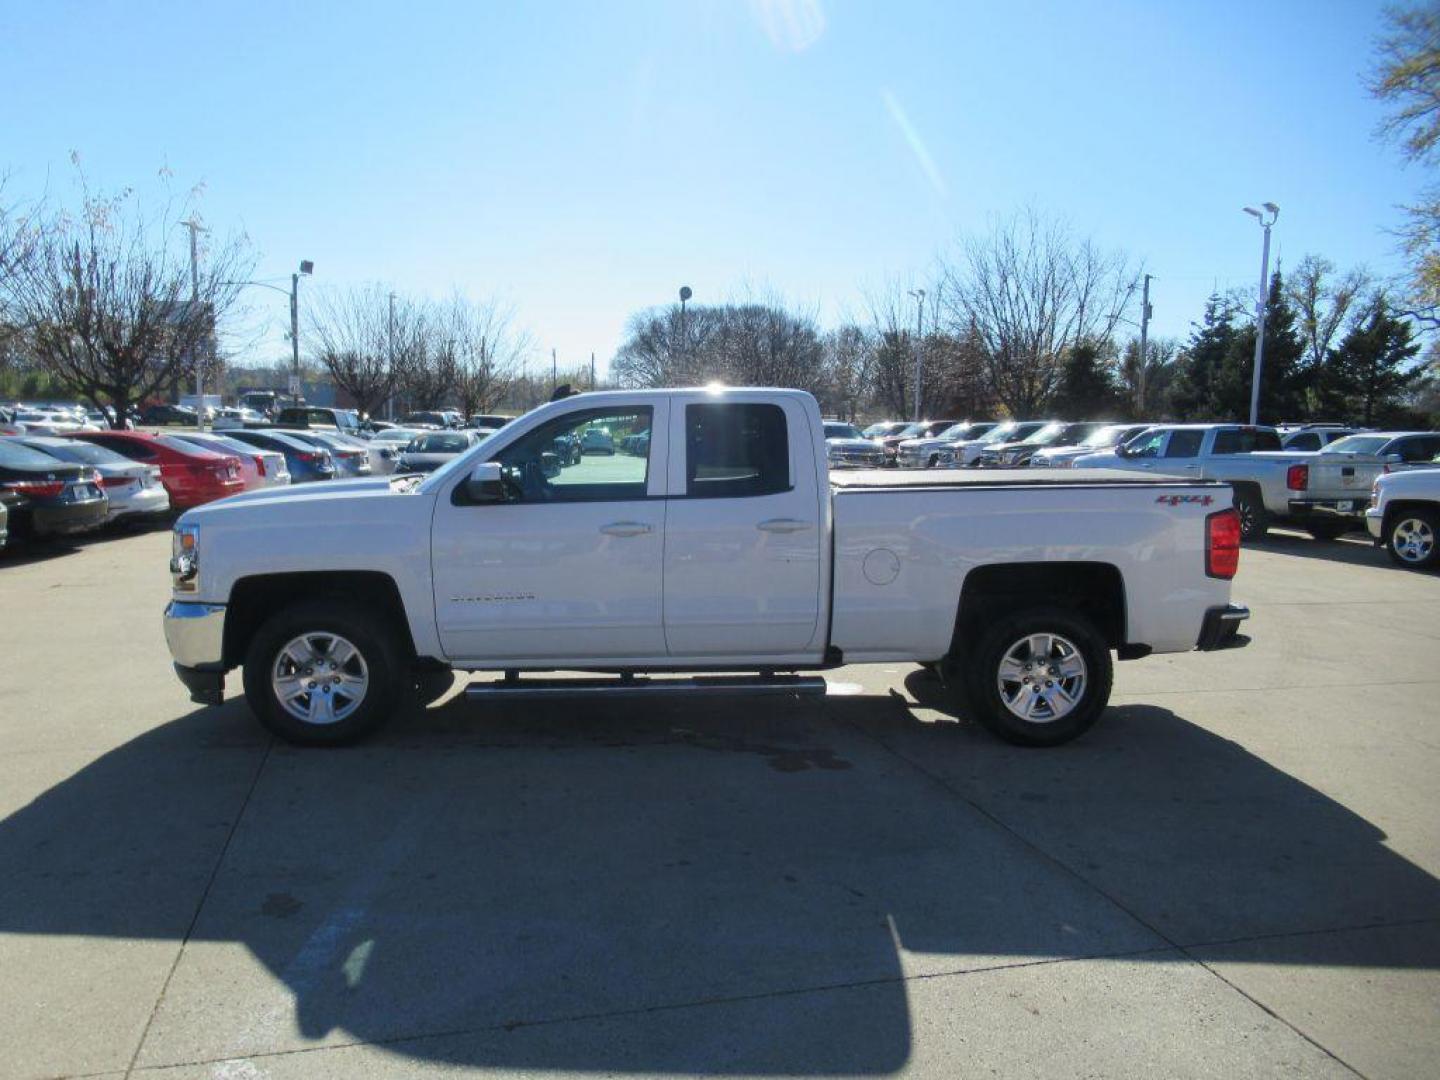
[[390, 347], [919, 295], [306, 268], [685, 295], [1260, 216], [195, 227]]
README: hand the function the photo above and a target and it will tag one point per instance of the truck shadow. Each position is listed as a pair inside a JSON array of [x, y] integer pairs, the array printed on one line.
[[1353, 549], [678, 880]]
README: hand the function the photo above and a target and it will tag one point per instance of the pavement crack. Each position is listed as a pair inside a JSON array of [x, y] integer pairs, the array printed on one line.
[[200, 906]]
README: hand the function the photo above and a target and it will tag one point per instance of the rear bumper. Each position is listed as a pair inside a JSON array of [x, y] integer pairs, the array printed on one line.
[[145, 503], [65, 519], [1329, 509], [1221, 628]]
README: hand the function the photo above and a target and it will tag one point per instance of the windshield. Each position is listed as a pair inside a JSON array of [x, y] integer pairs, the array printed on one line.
[[1358, 444], [842, 431], [999, 433], [1047, 434], [1106, 436], [84, 453], [13, 453], [176, 443], [439, 443], [914, 429], [956, 431]]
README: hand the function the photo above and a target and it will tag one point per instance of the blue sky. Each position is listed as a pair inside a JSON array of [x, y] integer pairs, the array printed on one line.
[[583, 160]]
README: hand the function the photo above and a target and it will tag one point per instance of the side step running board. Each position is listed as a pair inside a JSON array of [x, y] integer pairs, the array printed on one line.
[[513, 689]]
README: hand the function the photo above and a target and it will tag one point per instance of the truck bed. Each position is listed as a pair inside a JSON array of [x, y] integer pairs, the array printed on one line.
[[910, 479]]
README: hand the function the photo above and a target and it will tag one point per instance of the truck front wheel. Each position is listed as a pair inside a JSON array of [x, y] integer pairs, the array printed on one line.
[[1039, 677], [1412, 537], [323, 673]]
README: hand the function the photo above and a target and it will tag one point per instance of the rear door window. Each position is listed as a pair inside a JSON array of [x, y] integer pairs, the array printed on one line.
[[735, 450], [1184, 443]]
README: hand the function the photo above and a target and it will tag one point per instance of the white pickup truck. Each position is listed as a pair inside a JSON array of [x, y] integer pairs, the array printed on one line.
[[1404, 517], [724, 546]]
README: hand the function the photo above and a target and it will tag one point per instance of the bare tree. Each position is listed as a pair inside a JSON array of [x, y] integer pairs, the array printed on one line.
[[849, 363], [1031, 292], [1322, 304], [477, 346], [891, 322], [105, 301], [1144, 386], [349, 334]]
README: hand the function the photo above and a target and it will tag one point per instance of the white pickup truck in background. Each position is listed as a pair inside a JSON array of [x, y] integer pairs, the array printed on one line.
[[722, 545], [1404, 516]]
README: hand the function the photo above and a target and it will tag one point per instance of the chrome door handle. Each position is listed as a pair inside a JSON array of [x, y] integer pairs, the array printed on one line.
[[625, 528], [784, 525]]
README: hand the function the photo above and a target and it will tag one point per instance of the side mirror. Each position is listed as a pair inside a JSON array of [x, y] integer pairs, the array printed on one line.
[[1394, 459], [484, 484]]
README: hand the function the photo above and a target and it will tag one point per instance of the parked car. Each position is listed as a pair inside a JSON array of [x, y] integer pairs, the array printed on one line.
[[1311, 436], [597, 441], [1247, 457], [7, 498], [231, 416], [966, 452], [501, 568], [1404, 516], [307, 463], [846, 448], [304, 417], [1104, 438], [431, 449], [493, 421], [885, 428], [132, 489], [260, 468], [938, 450], [48, 497], [160, 415], [350, 459], [426, 419], [1329, 494], [1016, 453], [891, 445], [191, 476]]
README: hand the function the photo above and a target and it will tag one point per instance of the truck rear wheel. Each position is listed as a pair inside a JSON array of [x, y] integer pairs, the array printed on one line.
[[1254, 521], [1412, 537], [323, 673], [1040, 677], [1327, 530]]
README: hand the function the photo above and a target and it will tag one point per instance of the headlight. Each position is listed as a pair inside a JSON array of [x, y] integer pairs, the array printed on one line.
[[185, 557]]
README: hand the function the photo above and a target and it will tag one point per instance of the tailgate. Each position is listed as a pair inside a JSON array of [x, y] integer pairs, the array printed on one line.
[[1343, 477]]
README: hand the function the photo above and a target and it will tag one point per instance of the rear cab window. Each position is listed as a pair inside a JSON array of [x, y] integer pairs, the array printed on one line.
[[736, 450], [1244, 441]]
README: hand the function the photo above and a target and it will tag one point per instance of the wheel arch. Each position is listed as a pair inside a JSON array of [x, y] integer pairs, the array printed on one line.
[[1095, 590], [255, 598]]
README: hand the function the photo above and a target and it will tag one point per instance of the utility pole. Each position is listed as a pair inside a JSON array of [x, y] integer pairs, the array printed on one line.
[[196, 358], [554, 371], [592, 370], [1274, 212], [1144, 326], [919, 295]]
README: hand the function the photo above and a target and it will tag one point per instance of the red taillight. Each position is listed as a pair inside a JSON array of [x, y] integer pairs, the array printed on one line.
[[1222, 544], [117, 481], [260, 464], [1297, 477], [308, 456], [37, 489]]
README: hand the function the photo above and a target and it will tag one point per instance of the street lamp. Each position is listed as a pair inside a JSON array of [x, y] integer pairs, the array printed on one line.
[[307, 268], [685, 295], [919, 295], [1265, 217]]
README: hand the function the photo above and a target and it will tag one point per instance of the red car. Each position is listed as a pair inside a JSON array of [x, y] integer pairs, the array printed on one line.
[[191, 476]]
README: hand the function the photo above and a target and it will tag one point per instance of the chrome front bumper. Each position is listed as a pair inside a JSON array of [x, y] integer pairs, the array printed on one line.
[[195, 633]]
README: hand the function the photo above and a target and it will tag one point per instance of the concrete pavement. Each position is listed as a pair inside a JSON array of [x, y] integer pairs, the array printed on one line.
[[1234, 874]]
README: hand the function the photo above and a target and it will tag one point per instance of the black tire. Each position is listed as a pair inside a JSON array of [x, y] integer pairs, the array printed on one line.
[[933, 461], [982, 676], [1254, 521], [381, 660], [1405, 535], [1327, 530]]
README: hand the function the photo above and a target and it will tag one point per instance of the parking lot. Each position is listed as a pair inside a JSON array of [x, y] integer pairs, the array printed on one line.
[[1233, 875]]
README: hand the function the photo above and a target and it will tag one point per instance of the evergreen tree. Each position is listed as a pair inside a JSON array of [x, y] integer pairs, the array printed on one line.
[[1199, 365], [1087, 385], [1368, 374], [1282, 395]]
